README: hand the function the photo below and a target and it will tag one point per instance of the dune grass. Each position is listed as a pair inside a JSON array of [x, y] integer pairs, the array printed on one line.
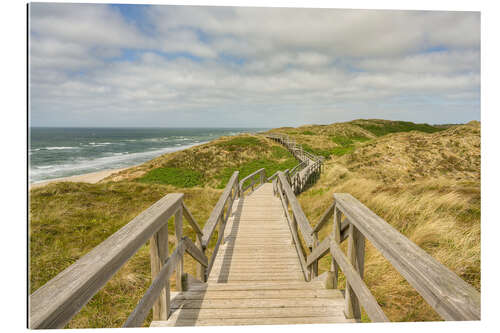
[[401, 178]]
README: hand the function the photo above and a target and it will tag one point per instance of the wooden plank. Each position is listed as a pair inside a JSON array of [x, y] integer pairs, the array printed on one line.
[[305, 227], [195, 252], [190, 219], [253, 321], [56, 302], [253, 303], [246, 277], [364, 295], [260, 285], [299, 312], [254, 294], [211, 223], [158, 248], [141, 311], [448, 294]]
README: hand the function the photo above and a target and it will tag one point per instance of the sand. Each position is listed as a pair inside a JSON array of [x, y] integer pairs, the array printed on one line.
[[91, 178]]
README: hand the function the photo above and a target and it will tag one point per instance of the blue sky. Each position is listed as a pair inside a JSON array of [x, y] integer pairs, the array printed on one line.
[[159, 65]]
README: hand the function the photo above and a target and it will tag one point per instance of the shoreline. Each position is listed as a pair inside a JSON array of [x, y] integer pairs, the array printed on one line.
[[95, 177], [91, 177]]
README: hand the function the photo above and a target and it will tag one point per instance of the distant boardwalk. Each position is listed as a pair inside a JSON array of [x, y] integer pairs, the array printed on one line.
[[263, 268]]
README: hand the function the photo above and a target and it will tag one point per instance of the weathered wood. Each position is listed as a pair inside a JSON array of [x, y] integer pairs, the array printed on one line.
[[190, 219], [158, 248], [356, 256], [194, 251], [254, 321], [303, 223], [56, 302], [252, 303], [261, 173], [299, 312], [318, 252], [364, 295], [295, 237], [447, 293], [218, 210], [337, 235], [141, 311], [178, 239]]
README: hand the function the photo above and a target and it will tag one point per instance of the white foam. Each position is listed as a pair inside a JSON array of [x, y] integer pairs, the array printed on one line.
[[60, 148], [81, 166]]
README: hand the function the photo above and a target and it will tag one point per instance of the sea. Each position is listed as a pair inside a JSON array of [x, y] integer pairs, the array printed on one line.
[[62, 152]]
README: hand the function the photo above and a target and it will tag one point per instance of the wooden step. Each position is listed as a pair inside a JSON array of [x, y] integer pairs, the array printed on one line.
[[253, 321]]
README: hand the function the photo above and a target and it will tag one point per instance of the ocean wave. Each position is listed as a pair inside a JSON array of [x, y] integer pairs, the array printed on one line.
[[60, 148], [81, 166]]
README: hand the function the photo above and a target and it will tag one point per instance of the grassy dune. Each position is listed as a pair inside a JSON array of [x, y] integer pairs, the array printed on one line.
[[424, 180], [426, 185]]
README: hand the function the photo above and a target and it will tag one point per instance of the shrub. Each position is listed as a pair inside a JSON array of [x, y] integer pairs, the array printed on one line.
[[179, 177], [383, 128]]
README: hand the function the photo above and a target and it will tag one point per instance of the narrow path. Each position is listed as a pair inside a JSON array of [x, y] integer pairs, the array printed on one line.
[[256, 278]]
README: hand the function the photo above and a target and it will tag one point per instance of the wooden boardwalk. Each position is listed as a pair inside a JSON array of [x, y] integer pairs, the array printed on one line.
[[256, 278], [258, 272]]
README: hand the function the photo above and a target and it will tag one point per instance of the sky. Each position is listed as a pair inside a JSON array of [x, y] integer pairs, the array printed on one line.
[[200, 66]]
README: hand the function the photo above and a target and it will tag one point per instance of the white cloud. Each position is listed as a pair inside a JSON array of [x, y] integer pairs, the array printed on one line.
[[247, 61]]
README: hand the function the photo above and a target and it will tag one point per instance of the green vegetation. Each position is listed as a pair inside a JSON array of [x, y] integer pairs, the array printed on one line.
[[173, 176], [308, 133], [380, 128], [346, 144], [279, 152]]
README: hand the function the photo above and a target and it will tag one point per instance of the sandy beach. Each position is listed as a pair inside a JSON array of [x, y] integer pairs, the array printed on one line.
[[92, 178]]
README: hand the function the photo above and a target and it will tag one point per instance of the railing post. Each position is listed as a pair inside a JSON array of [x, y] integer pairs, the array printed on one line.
[[201, 270], [356, 255], [336, 238], [314, 266], [158, 249], [178, 236]]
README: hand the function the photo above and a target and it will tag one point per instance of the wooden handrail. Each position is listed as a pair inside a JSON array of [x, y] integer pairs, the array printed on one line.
[[262, 177], [296, 240], [137, 317], [369, 303], [303, 223], [218, 210], [274, 175], [55, 303], [446, 292]]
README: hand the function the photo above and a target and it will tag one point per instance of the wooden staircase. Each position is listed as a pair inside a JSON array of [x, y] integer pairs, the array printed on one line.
[[256, 278]]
